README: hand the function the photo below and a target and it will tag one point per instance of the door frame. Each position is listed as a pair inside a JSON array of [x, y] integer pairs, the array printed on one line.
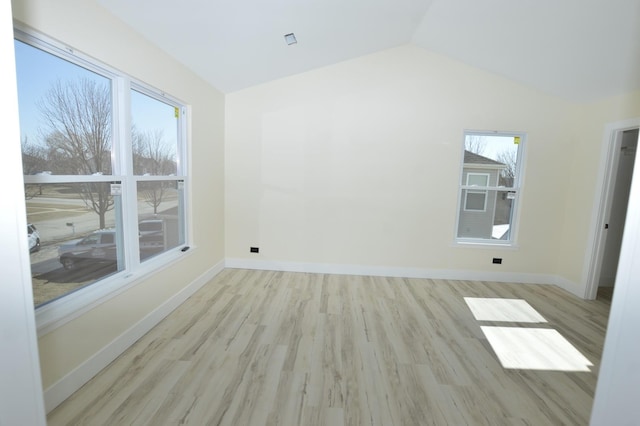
[[610, 152]]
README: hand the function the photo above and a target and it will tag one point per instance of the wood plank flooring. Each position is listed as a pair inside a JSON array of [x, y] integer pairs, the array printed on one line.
[[279, 348]]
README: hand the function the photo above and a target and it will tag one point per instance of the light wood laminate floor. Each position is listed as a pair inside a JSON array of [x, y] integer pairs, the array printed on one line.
[[280, 348]]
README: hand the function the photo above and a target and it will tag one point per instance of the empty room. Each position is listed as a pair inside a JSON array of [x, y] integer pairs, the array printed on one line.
[[376, 212]]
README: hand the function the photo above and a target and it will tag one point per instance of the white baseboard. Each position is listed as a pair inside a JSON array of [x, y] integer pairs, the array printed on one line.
[[67, 385], [568, 286], [442, 274]]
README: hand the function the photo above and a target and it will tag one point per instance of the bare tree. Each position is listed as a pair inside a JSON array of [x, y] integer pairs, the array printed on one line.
[[507, 157], [76, 116], [34, 157], [34, 160], [152, 155], [476, 144]]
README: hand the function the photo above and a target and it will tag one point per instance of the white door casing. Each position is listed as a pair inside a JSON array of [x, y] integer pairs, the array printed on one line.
[[21, 399]]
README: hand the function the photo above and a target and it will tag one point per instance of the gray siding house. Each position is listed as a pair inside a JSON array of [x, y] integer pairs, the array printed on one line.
[[478, 207]]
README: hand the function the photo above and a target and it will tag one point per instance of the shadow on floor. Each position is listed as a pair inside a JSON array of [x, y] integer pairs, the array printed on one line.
[[605, 294]]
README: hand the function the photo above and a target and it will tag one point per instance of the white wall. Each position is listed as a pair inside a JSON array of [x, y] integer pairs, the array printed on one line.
[[358, 164], [581, 199], [21, 400], [74, 350], [616, 399]]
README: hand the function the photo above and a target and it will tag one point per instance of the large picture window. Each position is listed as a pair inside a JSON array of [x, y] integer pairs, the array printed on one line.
[[489, 187], [104, 159]]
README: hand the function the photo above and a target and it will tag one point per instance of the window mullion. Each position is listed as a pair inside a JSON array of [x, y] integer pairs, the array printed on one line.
[[124, 168]]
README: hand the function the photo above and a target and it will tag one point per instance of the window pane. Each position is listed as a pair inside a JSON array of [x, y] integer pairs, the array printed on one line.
[[475, 200], [499, 153], [160, 216], [491, 223], [65, 115], [74, 235], [478, 179], [154, 132]]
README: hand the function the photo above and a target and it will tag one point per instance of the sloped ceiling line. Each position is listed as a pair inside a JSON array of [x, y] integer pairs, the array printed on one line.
[[575, 49]]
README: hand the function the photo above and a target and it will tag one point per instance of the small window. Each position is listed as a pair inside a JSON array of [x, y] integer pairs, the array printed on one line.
[[489, 187], [476, 200]]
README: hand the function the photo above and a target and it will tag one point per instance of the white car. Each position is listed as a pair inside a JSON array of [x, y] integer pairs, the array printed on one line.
[[97, 247], [151, 233], [34, 238]]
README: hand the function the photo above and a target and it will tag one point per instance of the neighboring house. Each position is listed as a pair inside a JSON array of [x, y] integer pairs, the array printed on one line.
[[478, 208]]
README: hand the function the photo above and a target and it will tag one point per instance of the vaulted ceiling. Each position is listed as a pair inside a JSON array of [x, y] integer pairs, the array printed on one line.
[[581, 50]]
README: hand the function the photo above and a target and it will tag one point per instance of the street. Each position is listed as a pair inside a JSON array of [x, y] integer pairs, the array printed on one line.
[[60, 220]]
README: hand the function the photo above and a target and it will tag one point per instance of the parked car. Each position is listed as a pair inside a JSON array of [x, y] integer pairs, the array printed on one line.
[[150, 227], [151, 233], [34, 238], [99, 246]]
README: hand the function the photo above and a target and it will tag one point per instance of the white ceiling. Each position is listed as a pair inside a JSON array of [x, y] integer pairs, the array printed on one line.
[[581, 50]]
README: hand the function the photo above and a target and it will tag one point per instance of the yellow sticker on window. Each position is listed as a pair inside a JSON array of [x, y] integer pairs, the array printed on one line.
[[176, 112], [516, 140]]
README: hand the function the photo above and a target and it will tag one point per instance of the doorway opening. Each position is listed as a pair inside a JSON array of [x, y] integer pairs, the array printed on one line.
[[621, 147]]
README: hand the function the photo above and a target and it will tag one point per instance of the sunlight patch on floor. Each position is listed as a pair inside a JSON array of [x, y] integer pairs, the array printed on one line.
[[534, 349], [524, 347], [507, 310]]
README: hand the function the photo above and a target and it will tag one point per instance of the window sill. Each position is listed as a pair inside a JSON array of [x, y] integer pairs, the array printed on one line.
[[59, 312], [485, 245]]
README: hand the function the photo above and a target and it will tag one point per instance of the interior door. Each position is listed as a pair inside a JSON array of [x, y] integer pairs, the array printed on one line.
[[618, 211]]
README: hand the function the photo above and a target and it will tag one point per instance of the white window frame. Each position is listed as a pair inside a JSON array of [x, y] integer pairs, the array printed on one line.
[[515, 189], [473, 191], [60, 311]]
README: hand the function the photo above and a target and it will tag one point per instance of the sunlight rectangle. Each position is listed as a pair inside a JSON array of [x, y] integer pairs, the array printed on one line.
[[535, 349], [505, 310]]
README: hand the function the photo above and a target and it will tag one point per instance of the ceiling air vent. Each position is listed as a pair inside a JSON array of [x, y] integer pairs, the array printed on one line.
[[290, 38]]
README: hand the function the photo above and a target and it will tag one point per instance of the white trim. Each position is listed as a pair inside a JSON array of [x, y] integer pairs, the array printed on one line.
[[567, 285], [595, 240], [72, 381], [384, 271], [21, 401], [482, 244], [492, 167]]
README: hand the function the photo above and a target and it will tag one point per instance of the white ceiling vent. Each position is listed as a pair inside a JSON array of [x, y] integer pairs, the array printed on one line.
[[290, 38]]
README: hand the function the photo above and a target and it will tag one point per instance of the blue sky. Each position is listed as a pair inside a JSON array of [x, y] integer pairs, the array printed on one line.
[[494, 145], [38, 70]]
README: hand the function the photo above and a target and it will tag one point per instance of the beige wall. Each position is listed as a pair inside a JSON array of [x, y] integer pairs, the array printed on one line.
[[90, 29], [584, 162], [358, 164]]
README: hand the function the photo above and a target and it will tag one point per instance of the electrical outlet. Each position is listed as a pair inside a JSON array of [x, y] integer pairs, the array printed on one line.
[[254, 249], [497, 260]]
